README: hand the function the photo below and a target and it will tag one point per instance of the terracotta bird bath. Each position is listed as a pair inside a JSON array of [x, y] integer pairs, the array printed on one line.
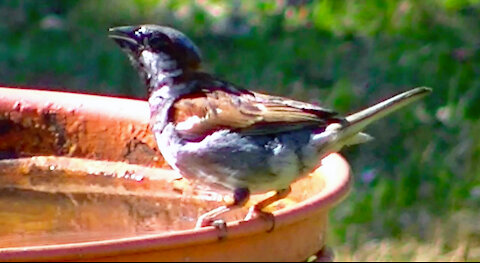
[[81, 179]]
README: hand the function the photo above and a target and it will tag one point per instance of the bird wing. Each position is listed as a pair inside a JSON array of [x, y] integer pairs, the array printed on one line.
[[218, 107]]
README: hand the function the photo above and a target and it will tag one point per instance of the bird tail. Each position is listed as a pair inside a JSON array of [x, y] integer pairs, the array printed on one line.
[[356, 122]]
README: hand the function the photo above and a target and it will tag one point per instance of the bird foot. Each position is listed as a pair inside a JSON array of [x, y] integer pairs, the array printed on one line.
[[267, 216], [219, 224]]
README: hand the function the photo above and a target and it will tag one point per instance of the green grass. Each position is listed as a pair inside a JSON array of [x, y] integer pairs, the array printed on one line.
[[450, 238], [418, 178]]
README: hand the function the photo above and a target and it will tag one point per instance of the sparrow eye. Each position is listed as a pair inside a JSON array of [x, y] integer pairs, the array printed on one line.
[[158, 42]]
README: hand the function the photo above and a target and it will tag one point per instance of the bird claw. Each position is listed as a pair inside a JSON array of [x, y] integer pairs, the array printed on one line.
[[219, 224], [221, 227], [267, 216]]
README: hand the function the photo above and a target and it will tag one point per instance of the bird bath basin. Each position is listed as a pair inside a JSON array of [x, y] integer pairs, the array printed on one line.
[[81, 179]]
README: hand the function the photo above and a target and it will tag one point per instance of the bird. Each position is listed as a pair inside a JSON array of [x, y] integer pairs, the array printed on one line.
[[214, 132]]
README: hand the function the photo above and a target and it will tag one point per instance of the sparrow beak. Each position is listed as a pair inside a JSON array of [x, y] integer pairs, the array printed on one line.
[[125, 37]]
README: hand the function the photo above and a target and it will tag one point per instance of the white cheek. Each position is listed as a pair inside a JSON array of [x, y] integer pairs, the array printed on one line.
[[159, 61], [148, 58]]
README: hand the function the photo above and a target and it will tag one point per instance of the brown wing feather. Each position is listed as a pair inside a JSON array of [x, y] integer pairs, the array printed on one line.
[[249, 113]]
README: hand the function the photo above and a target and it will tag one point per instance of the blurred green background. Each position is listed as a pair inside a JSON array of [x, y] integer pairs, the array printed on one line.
[[417, 190]]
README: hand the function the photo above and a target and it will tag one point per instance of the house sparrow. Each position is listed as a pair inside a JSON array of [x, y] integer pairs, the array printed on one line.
[[215, 132]]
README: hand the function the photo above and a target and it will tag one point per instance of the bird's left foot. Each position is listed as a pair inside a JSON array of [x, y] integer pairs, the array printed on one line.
[[208, 219], [240, 197]]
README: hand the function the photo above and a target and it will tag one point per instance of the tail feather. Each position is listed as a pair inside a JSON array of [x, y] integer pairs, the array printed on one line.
[[359, 120], [358, 139]]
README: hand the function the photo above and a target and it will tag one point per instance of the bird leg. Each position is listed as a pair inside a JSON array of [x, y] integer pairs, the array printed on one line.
[[256, 210], [240, 197]]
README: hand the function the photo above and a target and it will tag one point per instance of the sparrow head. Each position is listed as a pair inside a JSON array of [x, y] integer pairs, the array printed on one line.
[[157, 51]]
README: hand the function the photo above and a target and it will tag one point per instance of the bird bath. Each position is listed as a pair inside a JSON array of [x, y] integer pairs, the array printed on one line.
[[82, 179]]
